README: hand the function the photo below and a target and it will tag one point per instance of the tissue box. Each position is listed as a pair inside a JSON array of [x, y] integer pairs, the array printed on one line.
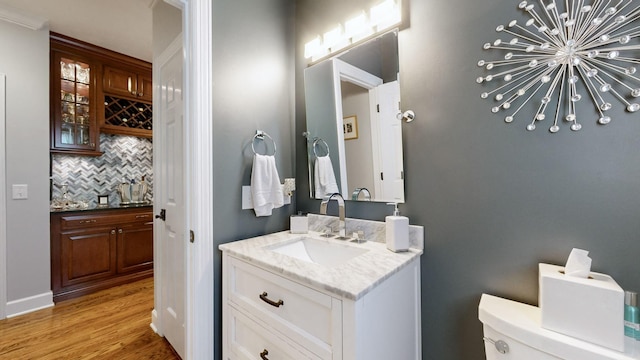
[[588, 309], [299, 224]]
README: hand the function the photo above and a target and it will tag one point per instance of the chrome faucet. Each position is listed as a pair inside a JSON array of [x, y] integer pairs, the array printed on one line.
[[341, 212], [356, 194]]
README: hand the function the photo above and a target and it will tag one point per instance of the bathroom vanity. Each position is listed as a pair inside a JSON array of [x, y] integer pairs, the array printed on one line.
[[292, 296]]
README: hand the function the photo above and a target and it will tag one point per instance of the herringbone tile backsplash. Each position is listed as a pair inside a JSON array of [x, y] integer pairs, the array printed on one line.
[[126, 157]]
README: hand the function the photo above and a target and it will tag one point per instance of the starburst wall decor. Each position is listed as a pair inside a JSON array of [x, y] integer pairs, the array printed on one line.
[[566, 57]]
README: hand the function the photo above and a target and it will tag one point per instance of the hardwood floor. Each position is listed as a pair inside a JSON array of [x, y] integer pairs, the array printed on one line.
[[110, 324]]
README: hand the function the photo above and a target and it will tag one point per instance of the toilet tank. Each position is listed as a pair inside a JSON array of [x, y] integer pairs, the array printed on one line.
[[518, 326]]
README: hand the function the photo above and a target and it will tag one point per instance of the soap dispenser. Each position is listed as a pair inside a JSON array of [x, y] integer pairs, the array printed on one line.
[[397, 231]]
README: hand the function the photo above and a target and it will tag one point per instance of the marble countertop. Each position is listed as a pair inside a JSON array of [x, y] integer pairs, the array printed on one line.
[[100, 208], [351, 280]]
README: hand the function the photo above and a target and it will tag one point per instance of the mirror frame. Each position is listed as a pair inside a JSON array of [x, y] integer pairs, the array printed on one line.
[[336, 70]]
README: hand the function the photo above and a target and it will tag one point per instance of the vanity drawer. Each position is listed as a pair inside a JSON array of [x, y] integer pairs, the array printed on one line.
[[250, 341], [308, 317]]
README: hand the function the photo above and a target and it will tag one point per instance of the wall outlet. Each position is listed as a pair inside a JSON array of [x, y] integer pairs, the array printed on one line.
[[20, 191]]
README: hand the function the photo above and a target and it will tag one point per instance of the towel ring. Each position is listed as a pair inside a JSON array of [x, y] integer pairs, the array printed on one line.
[[260, 135], [317, 141]]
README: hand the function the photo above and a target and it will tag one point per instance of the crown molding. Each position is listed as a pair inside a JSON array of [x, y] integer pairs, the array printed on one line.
[[21, 18]]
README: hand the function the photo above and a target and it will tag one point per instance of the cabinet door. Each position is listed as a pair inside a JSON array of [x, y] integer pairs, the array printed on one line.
[[87, 255], [73, 114], [119, 82], [145, 87], [135, 247]]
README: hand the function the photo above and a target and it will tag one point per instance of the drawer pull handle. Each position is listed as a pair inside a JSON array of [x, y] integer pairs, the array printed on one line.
[[264, 298], [263, 354], [87, 221], [141, 216]]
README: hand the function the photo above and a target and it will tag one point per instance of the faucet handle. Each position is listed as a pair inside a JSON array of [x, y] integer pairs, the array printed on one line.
[[328, 230], [358, 237]]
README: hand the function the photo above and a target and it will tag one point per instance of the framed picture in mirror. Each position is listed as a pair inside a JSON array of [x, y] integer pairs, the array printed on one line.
[[350, 125]]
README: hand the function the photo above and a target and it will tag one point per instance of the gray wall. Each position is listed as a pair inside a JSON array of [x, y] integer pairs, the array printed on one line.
[[495, 200], [25, 61], [253, 90]]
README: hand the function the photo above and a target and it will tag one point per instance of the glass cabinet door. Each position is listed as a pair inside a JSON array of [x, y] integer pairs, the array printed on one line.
[[73, 111], [74, 97]]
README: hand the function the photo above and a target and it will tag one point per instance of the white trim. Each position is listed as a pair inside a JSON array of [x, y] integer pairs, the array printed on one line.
[[352, 74], [3, 202], [21, 18], [29, 304], [199, 185]]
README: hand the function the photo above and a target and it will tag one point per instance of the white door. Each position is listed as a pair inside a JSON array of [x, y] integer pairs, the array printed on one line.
[[169, 200], [390, 143]]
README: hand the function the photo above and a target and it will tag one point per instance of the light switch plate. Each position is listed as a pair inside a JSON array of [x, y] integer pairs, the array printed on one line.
[[20, 191], [247, 202]]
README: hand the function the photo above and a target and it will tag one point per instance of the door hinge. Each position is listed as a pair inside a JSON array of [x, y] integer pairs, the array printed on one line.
[[192, 236], [401, 175], [378, 107], [381, 176]]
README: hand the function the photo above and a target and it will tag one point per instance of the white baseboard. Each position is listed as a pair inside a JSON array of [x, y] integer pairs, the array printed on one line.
[[29, 304]]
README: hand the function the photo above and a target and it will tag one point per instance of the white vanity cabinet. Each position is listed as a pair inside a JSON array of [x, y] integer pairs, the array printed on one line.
[[270, 316]]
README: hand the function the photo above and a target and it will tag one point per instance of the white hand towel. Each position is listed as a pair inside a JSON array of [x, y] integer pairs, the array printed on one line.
[[266, 190], [324, 177]]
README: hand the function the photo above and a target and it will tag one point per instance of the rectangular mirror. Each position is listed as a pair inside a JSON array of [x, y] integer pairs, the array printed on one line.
[[354, 138]]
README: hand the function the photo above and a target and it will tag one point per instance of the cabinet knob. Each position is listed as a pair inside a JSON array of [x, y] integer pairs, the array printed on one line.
[[113, 232], [119, 231], [140, 94]]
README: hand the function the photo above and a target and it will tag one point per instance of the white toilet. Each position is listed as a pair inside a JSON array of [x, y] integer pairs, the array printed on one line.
[[512, 331]]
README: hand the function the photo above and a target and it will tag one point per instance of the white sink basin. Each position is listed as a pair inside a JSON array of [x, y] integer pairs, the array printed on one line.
[[322, 252]]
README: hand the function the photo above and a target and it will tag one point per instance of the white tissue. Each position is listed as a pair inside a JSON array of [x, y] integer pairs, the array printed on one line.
[[578, 264]]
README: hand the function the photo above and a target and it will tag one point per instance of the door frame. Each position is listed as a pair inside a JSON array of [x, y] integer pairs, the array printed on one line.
[[343, 71], [3, 200], [196, 39]]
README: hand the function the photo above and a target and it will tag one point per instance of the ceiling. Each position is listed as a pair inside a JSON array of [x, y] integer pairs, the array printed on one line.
[[119, 25]]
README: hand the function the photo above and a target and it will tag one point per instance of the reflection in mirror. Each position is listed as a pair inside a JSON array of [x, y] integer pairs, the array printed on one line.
[[354, 139]]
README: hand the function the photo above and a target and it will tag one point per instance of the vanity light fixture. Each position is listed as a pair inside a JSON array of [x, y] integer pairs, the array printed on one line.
[[313, 47], [385, 14], [382, 17], [565, 56], [357, 28], [334, 39]]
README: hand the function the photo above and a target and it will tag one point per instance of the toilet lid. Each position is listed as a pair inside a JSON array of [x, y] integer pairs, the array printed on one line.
[[522, 323]]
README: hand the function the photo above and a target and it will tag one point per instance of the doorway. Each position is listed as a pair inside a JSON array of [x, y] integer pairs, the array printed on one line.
[[198, 179]]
